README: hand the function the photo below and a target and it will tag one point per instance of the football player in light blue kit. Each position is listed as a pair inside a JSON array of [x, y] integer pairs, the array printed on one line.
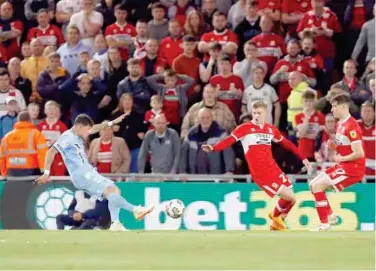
[[83, 175]]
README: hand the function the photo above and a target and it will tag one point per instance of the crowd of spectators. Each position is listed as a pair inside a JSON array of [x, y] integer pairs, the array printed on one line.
[[185, 73]]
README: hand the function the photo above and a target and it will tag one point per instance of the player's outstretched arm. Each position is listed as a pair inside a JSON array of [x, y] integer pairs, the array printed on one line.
[[357, 152], [221, 145], [47, 165], [99, 127]]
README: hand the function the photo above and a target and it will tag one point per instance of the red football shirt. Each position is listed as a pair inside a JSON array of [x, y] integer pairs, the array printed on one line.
[[188, 66], [51, 35], [149, 115], [295, 7], [347, 133], [222, 38], [325, 46], [369, 139], [316, 124], [171, 106], [284, 88], [169, 49], [225, 95], [358, 15], [104, 157], [270, 48], [121, 33], [315, 61]]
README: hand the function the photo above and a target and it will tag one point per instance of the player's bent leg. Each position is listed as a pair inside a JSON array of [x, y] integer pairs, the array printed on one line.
[[282, 208], [318, 186]]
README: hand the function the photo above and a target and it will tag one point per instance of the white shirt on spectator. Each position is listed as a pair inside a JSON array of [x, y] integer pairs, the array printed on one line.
[[78, 20], [70, 7], [266, 93], [19, 97]]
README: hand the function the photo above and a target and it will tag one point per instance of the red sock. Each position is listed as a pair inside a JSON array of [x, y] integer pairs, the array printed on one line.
[[281, 206], [288, 208], [322, 206]]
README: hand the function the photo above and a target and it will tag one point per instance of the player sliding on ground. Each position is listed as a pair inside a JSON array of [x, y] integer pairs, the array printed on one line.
[[256, 137], [350, 161], [83, 175]]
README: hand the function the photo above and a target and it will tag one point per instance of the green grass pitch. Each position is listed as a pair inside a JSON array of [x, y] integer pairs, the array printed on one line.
[[178, 250]]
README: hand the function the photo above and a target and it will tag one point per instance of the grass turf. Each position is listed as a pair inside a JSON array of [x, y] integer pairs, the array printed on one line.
[[177, 250]]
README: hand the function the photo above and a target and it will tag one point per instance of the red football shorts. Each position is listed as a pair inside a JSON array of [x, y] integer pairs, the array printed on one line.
[[344, 175], [273, 182]]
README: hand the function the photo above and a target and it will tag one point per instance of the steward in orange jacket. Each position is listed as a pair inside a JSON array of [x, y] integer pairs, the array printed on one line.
[[23, 150]]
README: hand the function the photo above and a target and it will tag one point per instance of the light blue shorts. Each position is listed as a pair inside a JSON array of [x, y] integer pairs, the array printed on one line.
[[93, 183]]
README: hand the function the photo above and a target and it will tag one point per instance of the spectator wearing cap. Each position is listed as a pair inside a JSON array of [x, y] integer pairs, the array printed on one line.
[[366, 36], [259, 90], [195, 161], [171, 46], [136, 84], [244, 68], [152, 63], [323, 24], [209, 67], [195, 25], [70, 51], [139, 42], [33, 66], [132, 128], [209, 7], [237, 13], [292, 12], [7, 121], [47, 33], [314, 60], [270, 45], [85, 99], [120, 34], [249, 27], [109, 154], [50, 80], [11, 28], [158, 26], [357, 13], [230, 87], [64, 11], [163, 144], [6, 90], [353, 85], [33, 6], [221, 34], [88, 21], [180, 10], [291, 62], [16, 80], [188, 64], [221, 113]]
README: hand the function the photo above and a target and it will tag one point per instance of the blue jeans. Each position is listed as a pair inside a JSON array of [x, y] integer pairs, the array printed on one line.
[[134, 168]]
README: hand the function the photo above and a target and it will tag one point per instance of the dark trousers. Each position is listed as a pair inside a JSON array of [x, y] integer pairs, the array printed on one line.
[[66, 220]]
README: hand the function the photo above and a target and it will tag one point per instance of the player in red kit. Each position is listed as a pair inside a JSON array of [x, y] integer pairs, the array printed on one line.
[[256, 137], [350, 161]]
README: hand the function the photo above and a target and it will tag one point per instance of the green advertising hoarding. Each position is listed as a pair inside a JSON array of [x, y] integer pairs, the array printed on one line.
[[209, 206]]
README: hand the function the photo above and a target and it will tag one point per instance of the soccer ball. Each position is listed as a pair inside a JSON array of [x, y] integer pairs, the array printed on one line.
[[175, 208]]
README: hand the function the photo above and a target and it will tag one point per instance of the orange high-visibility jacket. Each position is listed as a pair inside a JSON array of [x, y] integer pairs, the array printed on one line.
[[24, 148]]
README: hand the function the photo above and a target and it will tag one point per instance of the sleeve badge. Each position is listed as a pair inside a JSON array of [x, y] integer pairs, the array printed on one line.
[[353, 134]]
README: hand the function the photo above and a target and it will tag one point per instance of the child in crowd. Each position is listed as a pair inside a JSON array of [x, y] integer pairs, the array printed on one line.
[[156, 104], [34, 111], [7, 121]]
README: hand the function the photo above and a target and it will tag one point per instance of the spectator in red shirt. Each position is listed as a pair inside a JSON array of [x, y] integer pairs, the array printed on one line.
[[291, 62], [47, 33], [188, 64], [270, 45], [156, 104], [152, 63], [309, 124], [221, 34], [292, 12], [120, 33], [323, 23], [170, 47], [11, 30], [314, 60], [195, 25], [52, 128], [180, 10], [140, 40], [270, 8], [229, 87]]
